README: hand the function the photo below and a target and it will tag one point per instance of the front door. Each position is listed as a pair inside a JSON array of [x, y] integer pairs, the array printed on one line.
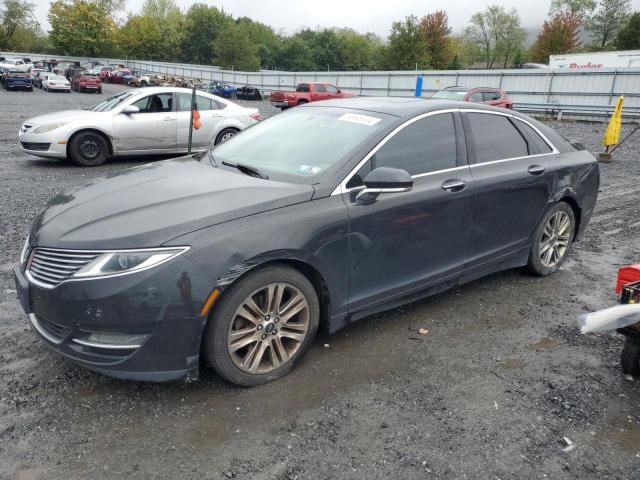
[[151, 130], [513, 173], [210, 118], [405, 242]]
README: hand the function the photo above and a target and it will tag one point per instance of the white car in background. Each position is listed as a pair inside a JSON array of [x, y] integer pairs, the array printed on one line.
[[56, 82], [15, 64], [152, 121]]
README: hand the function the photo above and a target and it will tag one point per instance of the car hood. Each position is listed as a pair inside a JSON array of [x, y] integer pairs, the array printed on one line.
[[61, 117], [149, 205]]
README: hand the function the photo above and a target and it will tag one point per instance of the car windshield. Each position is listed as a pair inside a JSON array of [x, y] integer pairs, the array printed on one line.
[[300, 145], [111, 102], [451, 94]]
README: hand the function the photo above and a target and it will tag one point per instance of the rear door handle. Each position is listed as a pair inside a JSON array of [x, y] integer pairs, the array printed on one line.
[[453, 185], [168, 119], [536, 170]]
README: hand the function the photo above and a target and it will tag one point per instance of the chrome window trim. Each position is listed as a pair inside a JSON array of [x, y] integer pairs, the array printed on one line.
[[342, 187]]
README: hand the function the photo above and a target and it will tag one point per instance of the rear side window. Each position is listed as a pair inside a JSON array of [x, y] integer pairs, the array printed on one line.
[[320, 89], [536, 143], [495, 138], [303, 88], [425, 146]]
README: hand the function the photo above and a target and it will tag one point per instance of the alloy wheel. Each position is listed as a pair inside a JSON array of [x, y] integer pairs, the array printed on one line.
[[555, 239], [226, 137], [268, 328]]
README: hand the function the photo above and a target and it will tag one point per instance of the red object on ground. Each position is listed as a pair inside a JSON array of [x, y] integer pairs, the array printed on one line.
[[307, 92], [627, 275]]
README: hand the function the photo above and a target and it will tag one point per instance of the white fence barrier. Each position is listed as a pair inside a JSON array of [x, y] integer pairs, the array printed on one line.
[[597, 89]]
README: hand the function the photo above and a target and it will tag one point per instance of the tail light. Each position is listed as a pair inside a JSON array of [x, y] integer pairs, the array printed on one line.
[[256, 116], [627, 275]]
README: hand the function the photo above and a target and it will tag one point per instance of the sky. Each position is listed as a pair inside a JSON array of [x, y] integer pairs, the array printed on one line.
[[362, 15]]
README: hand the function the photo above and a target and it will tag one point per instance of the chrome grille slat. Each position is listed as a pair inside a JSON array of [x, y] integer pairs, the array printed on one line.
[[49, 267], [65, 267], [56, 259], [51, 271]]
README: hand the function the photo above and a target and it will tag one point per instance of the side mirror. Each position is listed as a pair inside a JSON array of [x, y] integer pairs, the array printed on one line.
[[130, 109], [384, 180]]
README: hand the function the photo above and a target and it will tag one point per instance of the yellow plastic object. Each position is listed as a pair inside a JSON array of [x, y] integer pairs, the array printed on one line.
[[612, 134]]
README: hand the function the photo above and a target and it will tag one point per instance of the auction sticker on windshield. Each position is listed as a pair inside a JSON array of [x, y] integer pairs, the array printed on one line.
[[360, 119]]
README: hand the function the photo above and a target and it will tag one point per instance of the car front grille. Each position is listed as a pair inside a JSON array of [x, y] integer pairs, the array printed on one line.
[[39, 147], [48, 267]]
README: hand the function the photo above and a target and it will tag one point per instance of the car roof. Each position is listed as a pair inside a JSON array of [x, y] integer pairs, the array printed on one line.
[[400, 106]]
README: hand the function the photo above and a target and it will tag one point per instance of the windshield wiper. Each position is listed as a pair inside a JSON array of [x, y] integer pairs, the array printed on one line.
[[247, 170]]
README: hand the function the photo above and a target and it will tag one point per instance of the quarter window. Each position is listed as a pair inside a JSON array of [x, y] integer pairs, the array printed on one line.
[[495, 138], [537, 145], [425, 146]]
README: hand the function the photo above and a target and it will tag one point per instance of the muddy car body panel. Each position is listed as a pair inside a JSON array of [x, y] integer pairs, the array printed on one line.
[[364, 249]]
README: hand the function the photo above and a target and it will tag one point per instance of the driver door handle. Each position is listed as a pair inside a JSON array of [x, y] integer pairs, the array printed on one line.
[[536, 170], [453, 185]]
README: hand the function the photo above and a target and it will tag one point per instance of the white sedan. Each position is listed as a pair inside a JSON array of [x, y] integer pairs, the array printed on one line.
[[56, 82], [153, 121]]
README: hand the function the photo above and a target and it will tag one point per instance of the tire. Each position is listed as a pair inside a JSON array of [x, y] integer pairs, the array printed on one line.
[[302, 102], [551, 231], [144, 84], [225, 135], [225, 319], [88, 149], [630, 358]]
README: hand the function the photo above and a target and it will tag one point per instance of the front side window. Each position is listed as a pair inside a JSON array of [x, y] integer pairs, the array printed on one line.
[[490, 96], [161, 102], [476, 97], [495, 137], [332, 89], [425, 146]]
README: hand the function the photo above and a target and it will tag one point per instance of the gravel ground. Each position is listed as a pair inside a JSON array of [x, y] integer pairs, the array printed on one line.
[[491, 390]]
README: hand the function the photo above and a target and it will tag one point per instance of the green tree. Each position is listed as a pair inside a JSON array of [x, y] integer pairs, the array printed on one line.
[[609, 18], [16, 15], [202, 28], [233, 50], [139, 37], [265, 39], [294, 55], [80, 27], [582, 8], [360, 52], [435, 33], [629, 36], [169, 23], [406, 49], [497, 33]]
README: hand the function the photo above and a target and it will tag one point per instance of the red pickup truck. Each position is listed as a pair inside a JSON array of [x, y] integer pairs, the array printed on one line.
[[305, 93]]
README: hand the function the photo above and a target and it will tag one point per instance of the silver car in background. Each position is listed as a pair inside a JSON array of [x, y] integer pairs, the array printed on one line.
[[153, 121]]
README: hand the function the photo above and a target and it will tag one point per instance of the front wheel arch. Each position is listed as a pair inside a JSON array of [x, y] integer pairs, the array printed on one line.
[[90, 130]]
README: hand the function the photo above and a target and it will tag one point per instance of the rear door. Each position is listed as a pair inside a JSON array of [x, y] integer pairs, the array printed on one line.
[[152, 130], [210, 118], [404, 242], [512, 168]]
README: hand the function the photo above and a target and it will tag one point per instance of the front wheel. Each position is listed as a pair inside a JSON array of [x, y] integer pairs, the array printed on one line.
[[262, 326], [552, 240], [89, 149]]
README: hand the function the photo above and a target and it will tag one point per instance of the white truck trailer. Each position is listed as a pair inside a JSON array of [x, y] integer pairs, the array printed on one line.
[[596, 60]]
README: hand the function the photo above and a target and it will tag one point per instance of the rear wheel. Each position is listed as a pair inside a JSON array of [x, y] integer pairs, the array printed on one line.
[[552, 240], [88, 149], [262, 326], [225, 135], [631, 358]]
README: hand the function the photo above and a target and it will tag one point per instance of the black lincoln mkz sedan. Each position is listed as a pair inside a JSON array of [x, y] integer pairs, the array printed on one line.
[[314, 218]]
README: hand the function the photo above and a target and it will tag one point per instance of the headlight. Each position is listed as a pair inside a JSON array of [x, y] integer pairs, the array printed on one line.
[[48, 128], [25, 252], [128, 261]]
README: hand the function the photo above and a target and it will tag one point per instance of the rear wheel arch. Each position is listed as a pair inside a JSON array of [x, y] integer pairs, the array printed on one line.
[[577, 212]]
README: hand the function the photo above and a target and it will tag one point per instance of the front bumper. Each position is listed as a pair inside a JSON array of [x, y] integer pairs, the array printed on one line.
[[154, 304], [38, 140]]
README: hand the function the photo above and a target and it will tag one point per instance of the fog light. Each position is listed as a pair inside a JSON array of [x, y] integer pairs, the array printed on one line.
[[112, 340]]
